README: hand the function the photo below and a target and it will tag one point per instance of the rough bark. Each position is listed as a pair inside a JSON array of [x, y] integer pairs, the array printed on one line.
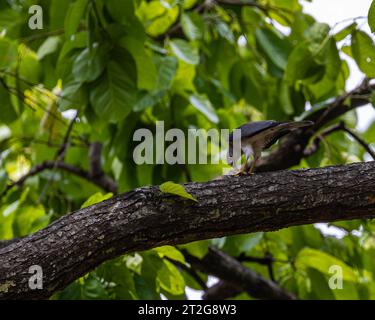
[[146, 218], [221, 291]]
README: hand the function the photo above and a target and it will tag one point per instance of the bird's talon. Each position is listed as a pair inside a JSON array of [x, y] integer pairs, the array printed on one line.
[[240, 173]]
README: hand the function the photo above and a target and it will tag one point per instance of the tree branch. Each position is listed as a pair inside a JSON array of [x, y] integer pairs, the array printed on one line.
[[190, 271], [360, 141], [292, 148], [102, 181], [232, 271], [334, 128], [221, 291], [146, 218]]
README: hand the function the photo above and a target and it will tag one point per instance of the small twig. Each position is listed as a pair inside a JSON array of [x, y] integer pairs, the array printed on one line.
[[337, 127], [42, 35], [104, 182], [60, 155], [95, 153], [320, 137], [360, 141]]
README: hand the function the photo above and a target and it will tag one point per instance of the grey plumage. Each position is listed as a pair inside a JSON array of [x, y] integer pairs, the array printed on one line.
[[260, 135], [252, 128]]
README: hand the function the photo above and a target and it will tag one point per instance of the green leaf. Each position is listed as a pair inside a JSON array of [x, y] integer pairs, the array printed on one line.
[[201, 103], [167, 68], [96, 198], [237, 244], [3, 180], [285, 98], [122, 11], [89, 65], [342, 34], [189, 3], [74, 16], [276, 48], [170, 279], [49, 46], [372, 98], [8, 113], [327, 85], [148, 100], [301, 65], [71, 97], [146, 70], [8, 52], [29, 66], [115, 95], [170, 252], [363, 50], [369, 135], [134, 262], [322, 262], [371, 16], [177, 189], [224, 31], [197, 248], [29, 219], [192, 25], [57, 13], [184, 51], [184, 79], [158, 16]]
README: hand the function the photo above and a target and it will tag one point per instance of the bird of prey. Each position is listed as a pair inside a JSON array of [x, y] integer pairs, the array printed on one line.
[[258, 136]]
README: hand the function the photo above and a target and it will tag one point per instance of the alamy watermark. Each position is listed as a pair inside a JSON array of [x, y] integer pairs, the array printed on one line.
[[36, 280], [336, 280], [36, 18], [175, 146]]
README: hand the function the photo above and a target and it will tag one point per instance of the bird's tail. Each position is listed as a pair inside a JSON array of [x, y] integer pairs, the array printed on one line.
[[293, 125]]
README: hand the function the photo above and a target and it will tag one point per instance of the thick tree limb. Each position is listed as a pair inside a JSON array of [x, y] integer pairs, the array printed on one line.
[[146, 218], [221, 291], [231, 270], [225, 290]]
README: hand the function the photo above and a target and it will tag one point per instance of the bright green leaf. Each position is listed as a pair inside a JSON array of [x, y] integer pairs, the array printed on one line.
[[201, 103], [170, 279], [371, 16], [170, 252], [276, 48], [114, 97], [177, 189], [183, 50], [197, 248], [96, 198], [342, 34], [363, 50], [322, 262], [146, 70], [192, 25], [74, 16], [89, 65], [49, 46], [8, 52]]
